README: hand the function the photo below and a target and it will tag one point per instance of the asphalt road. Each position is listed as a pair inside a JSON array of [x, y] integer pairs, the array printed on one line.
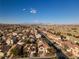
[[59, 53]]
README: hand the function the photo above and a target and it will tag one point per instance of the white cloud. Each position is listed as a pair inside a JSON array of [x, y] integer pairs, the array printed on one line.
[[33, 11], [23, 9]]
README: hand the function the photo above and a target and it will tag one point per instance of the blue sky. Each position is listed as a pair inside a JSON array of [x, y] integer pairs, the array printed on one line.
[[39, 11]]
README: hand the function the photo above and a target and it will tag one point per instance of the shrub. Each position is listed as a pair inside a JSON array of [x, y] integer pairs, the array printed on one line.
[[69, 34], [15, 51]]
